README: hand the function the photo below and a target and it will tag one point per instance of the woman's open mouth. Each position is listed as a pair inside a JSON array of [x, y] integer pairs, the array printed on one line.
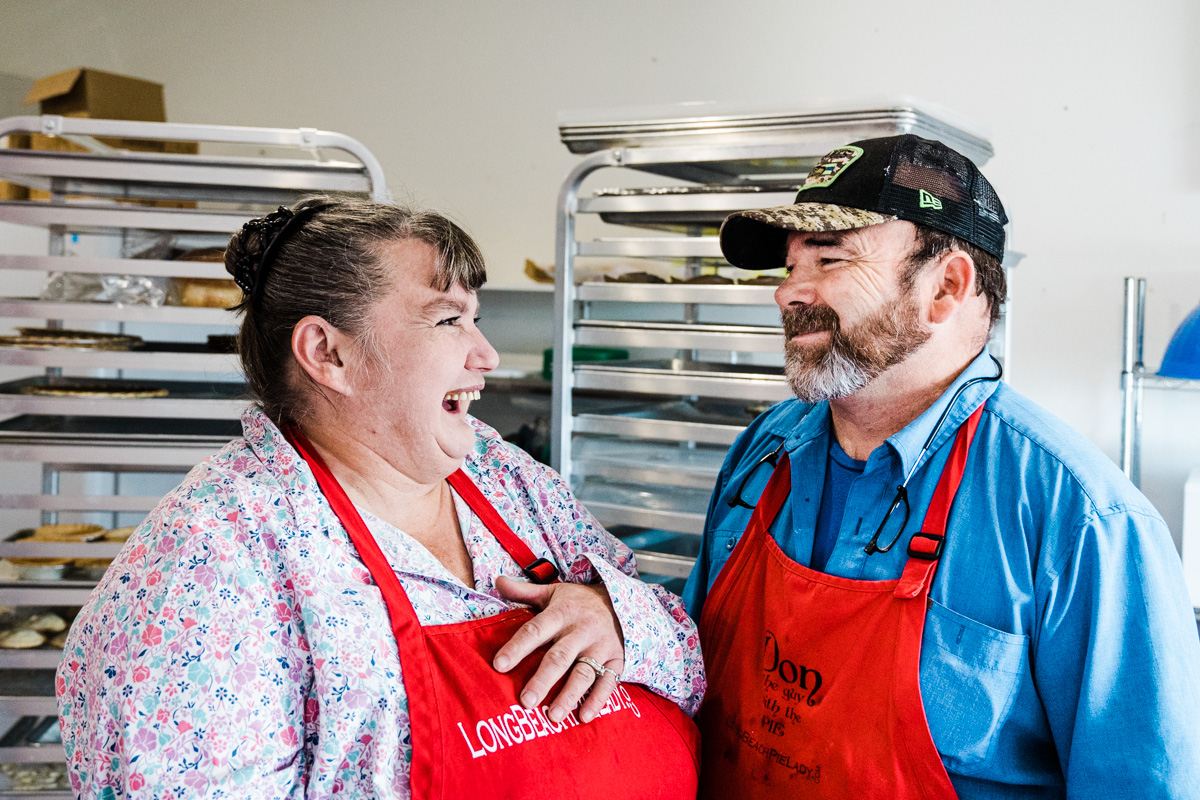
[[458, 402]]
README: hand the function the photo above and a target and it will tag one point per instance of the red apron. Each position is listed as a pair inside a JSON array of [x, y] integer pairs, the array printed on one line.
[[471, 737], [813, 687]]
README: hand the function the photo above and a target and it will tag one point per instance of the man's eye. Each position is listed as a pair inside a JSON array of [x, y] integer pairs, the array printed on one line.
[[450, 321], [832, 262]]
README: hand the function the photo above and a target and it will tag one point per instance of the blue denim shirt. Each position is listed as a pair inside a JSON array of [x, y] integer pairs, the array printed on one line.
[[1060, 656]]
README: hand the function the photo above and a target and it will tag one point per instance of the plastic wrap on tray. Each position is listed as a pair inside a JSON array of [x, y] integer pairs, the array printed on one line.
[[34, 777], [126, 290]]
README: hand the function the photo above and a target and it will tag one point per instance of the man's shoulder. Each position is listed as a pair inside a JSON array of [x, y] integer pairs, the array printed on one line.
[[1030, 439]]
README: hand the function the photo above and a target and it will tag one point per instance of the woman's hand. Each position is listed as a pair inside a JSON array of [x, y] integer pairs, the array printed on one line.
[[578, 619]]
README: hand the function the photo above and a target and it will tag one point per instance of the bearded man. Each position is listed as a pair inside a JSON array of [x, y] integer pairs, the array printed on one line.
[[914, 582]]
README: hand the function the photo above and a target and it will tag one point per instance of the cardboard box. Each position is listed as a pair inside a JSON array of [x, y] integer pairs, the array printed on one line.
[[95, 94], [11, 191]]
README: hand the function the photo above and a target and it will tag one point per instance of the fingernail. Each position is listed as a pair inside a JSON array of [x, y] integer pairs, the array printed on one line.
[[587, 716], [529, 701], [502, 663], [556, 714]]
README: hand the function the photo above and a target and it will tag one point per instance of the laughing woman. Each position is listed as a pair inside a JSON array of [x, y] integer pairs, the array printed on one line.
[[370, 594]]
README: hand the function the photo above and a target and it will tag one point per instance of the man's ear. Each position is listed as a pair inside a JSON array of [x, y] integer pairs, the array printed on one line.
[[954, 276], [319, 349]]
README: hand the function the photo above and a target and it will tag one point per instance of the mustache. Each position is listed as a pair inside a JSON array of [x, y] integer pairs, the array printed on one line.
[[809, 319]]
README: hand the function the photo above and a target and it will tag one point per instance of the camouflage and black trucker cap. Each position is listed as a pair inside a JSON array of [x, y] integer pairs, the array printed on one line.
[[870, 182]]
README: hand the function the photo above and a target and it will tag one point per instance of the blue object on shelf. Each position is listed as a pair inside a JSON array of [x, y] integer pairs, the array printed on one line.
[[1183, 353]]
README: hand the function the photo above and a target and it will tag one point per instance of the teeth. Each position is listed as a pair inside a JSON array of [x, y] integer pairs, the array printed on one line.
[[462, 397]]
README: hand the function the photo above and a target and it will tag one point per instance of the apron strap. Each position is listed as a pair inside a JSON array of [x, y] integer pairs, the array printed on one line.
[[398, 604], [925, 547], [538, 570], [406, 627], [774, 495]]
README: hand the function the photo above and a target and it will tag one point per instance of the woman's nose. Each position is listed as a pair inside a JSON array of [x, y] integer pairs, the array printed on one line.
[[483, 356]]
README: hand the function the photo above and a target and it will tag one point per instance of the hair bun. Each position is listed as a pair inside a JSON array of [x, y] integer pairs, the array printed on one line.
[[244, 261]]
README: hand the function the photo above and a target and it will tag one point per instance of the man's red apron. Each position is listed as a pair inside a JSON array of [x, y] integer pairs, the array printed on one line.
[[471, 737], [813, 687]]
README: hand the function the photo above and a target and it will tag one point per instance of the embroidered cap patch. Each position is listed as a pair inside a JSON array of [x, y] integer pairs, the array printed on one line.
[[831, 166]]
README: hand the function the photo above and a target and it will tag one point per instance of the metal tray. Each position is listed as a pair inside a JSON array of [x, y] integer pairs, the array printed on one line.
[[662, 556], [31, 732], [695, 214], [790, 187], [680, 377], [671, 508], [679, 335], [186, 399], [38, 427], [801, 128], [702, 421], [19, 545], [650, 463], [699, 294], [151, 356], [174, 177]]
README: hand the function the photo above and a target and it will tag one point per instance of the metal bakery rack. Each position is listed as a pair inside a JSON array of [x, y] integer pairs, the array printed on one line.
[[641, 440], [101, 457], [1135, 379]]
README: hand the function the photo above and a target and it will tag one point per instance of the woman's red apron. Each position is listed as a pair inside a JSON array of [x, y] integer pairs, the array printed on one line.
[[813, 686], [471, 737]]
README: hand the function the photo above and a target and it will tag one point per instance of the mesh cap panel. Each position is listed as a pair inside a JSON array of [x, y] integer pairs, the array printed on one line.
[[957, 199]]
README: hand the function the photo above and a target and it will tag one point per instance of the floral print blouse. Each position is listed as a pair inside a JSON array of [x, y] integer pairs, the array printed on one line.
[[238, 646]]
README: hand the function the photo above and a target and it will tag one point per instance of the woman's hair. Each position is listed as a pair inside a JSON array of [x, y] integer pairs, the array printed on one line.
[[323, 258]]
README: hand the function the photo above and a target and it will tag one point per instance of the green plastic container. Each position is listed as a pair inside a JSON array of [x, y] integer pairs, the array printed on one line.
[[582, 354]]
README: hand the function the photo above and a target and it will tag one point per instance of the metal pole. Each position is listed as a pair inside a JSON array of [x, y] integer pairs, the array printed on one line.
[[1139, 372], [564, 308], [1131, 366]]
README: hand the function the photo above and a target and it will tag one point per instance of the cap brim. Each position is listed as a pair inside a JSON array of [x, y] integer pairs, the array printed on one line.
[[758, 239]]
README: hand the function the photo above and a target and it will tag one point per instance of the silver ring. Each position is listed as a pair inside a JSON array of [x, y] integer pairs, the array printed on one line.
[[596, 666]]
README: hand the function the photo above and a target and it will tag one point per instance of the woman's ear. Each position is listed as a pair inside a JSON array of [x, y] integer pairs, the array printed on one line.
[[954, 274], [319, 349]]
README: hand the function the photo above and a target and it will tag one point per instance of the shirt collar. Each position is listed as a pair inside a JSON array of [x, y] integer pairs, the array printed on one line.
[[801, 423], [798, 423], [277, 455], [908, 441]]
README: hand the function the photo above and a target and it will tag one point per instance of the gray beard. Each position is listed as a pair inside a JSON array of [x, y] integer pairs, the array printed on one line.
[[853, 357]]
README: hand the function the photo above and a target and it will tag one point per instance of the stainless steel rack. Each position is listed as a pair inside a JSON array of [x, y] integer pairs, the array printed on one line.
[[98, 455], [707, 358], [1135, 380]]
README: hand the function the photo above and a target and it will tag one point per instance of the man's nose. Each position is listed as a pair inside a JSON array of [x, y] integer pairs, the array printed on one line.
[[798, 288]]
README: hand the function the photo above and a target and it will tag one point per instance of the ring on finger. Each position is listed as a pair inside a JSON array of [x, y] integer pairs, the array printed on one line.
[[596, 666]]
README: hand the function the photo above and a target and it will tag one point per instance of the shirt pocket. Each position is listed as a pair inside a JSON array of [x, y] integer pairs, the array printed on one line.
[[970, 674]]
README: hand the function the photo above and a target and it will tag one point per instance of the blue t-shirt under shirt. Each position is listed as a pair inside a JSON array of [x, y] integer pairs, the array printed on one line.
[[840, 472]]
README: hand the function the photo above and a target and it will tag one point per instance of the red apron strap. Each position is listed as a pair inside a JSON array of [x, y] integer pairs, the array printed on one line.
[[538, 570], [774, 495], [925, 547], [410, 641]]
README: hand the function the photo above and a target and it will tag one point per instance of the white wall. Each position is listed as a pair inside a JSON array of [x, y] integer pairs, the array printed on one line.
[[1092, 107]]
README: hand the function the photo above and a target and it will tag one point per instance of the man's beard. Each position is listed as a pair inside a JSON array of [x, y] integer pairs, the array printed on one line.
[[851, 357]]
